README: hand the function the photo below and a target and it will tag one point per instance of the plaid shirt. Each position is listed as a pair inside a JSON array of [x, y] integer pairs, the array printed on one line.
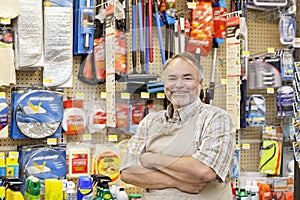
[[213, 135]]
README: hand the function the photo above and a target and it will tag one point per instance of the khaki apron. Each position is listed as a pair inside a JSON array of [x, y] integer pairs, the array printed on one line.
[[176, 139]]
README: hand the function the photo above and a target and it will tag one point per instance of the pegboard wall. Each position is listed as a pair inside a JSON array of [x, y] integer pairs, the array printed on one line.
[[263, 32]]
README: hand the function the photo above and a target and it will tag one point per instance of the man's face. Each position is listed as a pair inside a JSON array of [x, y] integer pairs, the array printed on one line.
[[182, 85]]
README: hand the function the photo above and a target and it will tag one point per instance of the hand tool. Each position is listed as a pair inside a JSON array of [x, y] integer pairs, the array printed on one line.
[[133, 23], [141, 35], [150, 30], [157, 22], [182, 36], [176, 39]]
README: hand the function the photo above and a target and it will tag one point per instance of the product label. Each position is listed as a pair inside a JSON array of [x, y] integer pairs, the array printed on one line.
[[80, 163]]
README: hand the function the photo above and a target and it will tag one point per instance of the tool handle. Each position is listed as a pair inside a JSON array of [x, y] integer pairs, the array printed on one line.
[[150, 30], [127, 17], [133, 26], [133, 54], [141, 31], [176, 40], [160, 38]]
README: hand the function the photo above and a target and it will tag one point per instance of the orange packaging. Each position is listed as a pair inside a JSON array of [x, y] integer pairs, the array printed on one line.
[[202, 27]]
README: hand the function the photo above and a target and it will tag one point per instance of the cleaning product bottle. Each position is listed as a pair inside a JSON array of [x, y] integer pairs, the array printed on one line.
[[103, 192], [70, 193], [13, 191], [2, 193], [122, 195], [84, 188], [32, 188]]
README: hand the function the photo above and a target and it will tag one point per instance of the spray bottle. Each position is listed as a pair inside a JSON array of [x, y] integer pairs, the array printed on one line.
[[103, 192], [13, 189], [32, 188]]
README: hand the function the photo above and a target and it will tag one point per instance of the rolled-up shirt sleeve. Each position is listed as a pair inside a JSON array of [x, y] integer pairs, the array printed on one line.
[[136, 146], [217, 143]]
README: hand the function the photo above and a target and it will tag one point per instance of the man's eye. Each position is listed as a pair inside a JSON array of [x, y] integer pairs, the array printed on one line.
[[171, 78], [188, 78]]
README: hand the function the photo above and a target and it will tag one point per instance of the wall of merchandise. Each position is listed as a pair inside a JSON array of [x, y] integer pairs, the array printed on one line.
[[263, 39]]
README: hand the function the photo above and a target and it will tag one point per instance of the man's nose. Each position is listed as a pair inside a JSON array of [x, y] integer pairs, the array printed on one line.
[[179, 82]]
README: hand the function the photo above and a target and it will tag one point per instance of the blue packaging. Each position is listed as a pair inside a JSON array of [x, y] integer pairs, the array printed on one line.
[[36, 114], [84, 187], [43, 162], [83, 27]]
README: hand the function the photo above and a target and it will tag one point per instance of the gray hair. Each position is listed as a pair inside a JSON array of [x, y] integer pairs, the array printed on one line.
[[188, 57]]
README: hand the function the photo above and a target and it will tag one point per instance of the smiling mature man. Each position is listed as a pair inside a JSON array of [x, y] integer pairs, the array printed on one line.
[[186, 151]]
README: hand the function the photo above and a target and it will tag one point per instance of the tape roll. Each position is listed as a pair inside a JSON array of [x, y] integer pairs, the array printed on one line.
[[74, 120], [97, 120]]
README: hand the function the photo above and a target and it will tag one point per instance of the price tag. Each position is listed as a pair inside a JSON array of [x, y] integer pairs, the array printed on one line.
[[13, 154], [103, 95], [237, 147], [224, 81], [246, 146], [160, 95], [79, 95], [270, 90], [192, 5], [87, 137], [125, 95], [145, 95], [245, 53], [51, 141], [2, 155], [271, 50], [112, 138], [48, 80], [2, 94]]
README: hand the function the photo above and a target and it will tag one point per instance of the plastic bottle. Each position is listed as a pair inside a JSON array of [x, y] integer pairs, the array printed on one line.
[[254, 192], [122, 195], [32, 188], [85, 188], [242, 194], [70, 193]]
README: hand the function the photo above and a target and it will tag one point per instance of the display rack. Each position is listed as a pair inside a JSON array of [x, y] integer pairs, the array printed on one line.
[[262, 34]]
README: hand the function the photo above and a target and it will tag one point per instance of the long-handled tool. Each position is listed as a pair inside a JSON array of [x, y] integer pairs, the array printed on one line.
[[176, 39], [182, 36], [147, 39], [133, 36], [150, 30], [137, 77], [160, 38], [141, 35]]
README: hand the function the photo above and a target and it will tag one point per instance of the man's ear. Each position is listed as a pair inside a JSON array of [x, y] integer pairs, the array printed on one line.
[[200, 82]]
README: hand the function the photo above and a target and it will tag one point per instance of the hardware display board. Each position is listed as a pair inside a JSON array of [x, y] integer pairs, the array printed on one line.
[[262, 32]]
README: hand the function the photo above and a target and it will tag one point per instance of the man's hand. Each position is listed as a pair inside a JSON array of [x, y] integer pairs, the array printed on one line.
[[190, 188]]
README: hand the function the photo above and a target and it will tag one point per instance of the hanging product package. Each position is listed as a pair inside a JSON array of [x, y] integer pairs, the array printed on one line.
[[36, 114], [106, 161], [58, 67], [43, 162], [270, 158], [255, 110], [3, 116], [287, 27], [29, 42]]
